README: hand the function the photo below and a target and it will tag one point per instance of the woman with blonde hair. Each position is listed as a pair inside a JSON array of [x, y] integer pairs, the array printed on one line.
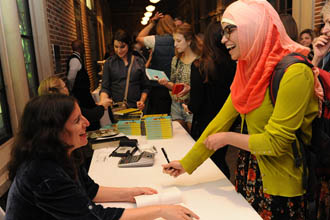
[[162, 46], [187, 50], [266, 176], [54, 84]]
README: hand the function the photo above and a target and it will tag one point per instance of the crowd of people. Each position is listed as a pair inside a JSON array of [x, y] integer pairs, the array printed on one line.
[[225, 77]]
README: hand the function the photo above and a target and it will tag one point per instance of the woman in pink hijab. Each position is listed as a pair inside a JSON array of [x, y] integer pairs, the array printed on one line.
[[266, 174]]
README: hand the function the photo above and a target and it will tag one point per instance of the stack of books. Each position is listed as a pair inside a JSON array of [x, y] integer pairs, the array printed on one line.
[[158, 127], [143, 125], [128, 114], [129, 127]]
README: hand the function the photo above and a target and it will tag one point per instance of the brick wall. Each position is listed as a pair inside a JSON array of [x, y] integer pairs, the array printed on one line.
[[62, 28], [317, 10], [90, 60], [62, 31]]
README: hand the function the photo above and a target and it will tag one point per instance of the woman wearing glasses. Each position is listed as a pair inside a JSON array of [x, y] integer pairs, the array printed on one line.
[[210, 80], [266, 175]]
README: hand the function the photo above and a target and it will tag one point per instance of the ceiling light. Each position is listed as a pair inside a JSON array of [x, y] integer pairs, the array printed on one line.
[[148, 14], [154, 1], [144, 22], [145, 19], [150, 8]]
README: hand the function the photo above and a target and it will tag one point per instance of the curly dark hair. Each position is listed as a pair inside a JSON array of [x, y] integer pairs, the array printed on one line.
[[42, 122], [214, 52]]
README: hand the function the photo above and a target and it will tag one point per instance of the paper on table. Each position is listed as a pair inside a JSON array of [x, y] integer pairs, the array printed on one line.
[[169, 196]]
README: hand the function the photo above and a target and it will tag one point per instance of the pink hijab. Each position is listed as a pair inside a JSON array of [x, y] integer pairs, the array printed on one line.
[[263, 42]]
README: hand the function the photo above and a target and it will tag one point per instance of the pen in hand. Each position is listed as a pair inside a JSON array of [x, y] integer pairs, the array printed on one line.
[[165, 155]]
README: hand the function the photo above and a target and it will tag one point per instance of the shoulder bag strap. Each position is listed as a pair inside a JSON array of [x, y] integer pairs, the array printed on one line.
[[128, 78]]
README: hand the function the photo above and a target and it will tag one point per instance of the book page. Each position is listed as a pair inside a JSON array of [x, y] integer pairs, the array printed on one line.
[[169, 196]]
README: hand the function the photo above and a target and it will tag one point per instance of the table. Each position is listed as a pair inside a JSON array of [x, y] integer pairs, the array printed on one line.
[[207, 191]]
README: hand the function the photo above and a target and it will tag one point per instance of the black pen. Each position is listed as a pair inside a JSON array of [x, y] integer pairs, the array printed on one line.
[[164, 152]]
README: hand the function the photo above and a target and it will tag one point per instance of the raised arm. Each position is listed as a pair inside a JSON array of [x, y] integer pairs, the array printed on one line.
[[146, 30]]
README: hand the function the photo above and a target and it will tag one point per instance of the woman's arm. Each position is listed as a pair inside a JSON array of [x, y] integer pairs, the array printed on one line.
[[140, 104], [146, 30], [119, 194]]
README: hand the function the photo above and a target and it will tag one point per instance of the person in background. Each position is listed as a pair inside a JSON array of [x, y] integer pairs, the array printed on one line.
[[77, 76], [178, 21], [187, 50], [210, 80], [55, 85], [47, 179], [290, 26], [162, 46], [266, 174], [79, 85], [321, 47], [115, 72], [306, 38]]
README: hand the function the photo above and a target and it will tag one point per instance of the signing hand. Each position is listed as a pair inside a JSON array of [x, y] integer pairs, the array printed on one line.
[[216, 141], [174, 168]]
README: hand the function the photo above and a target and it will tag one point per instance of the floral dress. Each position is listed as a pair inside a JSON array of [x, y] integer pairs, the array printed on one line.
[[249, 183]]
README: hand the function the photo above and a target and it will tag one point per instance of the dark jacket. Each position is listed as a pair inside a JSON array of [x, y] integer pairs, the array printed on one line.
[[81, 86], [206, 99], [115, 75], [163, 54], [43, 190], [81, 91], [159, 98]]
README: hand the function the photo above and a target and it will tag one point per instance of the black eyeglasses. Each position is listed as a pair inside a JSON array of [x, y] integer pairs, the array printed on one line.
[[228, 30]]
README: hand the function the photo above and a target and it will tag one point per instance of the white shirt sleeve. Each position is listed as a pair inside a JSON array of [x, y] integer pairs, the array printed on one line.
[[74, 67], [149, 41]]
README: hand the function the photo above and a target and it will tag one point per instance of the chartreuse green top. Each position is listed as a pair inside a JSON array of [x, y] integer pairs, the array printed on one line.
[[271, 130]]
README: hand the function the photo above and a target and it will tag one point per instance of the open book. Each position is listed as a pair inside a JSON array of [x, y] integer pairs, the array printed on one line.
[[169, 196], [153, 74]]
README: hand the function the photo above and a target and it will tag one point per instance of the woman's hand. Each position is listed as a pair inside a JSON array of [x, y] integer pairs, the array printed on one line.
[[186, 109], [321, 46], [137, 191], [216, 141], [156, 17], [140, 105], [106, 102], [185, 91], [174, 168], [177, 212], [163, 82]]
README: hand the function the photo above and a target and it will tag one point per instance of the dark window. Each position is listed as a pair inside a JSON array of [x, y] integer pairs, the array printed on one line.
[[5, 127], [28, 46]]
